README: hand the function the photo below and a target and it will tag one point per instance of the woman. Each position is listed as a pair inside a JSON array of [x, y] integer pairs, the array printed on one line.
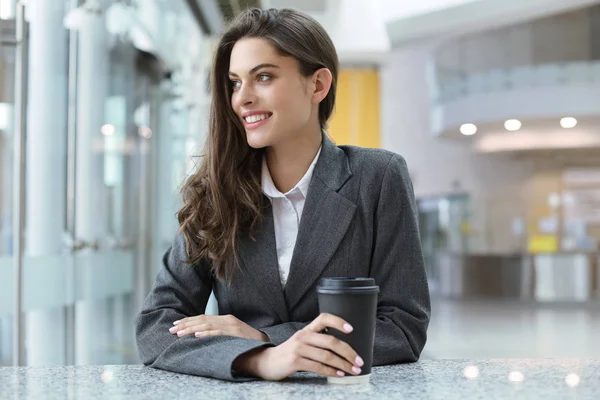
[[274, 206]]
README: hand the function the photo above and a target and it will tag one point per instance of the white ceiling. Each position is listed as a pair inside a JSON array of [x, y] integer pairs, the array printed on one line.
[[309, 6], [365, 30]]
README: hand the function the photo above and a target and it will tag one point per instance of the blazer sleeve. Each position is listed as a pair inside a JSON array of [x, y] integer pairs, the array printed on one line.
[[182, 290], [280, 333], [403, 308]]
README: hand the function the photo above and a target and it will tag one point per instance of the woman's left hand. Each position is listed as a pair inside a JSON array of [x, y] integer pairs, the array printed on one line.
[[216, 325]]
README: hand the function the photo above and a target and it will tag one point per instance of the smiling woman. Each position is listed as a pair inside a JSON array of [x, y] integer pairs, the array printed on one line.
[[274, 206]]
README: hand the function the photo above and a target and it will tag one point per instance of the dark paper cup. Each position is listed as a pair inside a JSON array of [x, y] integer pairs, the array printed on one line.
[[355, 301]]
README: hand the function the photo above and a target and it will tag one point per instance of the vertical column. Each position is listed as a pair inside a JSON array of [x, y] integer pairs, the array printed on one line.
[[7, 91], [46, 180], [90, 196], [122, 94], [7, 112], [355, 120], [164, 192]]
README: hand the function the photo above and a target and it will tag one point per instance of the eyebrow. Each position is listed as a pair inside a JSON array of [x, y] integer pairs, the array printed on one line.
[[258, 67]]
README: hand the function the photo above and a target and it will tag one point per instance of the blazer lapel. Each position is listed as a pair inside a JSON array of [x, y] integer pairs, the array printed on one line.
[[325, 220], [258, 260]]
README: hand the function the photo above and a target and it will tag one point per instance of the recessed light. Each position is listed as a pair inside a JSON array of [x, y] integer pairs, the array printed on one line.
[[516, 376], [572, 380], [568, 122], [108, 130], [468, 129], [471, 372], [512, 125]]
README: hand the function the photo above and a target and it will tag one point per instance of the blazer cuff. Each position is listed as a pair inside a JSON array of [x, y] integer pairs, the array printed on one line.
[[232, 350], [280, 333]]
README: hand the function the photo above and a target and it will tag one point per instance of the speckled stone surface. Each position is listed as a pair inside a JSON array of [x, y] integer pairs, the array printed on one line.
[[427, 379]]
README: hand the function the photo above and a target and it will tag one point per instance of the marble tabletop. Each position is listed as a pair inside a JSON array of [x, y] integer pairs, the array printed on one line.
[[427, 379]]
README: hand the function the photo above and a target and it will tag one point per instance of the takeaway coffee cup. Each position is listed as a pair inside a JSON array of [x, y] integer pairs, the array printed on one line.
[[355, 301]]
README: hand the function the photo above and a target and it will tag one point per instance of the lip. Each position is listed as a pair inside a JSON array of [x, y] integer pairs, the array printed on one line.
[[256, 124], [255, 112]]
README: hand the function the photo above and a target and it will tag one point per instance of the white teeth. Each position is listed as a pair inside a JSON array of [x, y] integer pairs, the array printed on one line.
[[255, 118]]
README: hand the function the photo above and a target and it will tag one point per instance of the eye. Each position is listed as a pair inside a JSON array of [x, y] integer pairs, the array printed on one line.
[[264, 77], [235, 84]]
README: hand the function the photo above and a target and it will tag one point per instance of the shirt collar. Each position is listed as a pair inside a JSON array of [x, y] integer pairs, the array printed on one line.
[[271, 191]]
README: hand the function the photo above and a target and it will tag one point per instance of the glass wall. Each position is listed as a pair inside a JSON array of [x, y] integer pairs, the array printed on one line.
[[103, 92], [444, 226], [7, 106]]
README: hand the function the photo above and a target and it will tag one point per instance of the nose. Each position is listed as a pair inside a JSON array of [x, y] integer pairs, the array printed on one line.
[[245, 96]]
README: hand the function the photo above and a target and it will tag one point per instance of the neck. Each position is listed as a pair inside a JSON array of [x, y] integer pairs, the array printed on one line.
[[289, 161]]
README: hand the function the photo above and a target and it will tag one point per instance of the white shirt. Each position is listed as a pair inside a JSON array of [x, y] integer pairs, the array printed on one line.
[[287, 211]]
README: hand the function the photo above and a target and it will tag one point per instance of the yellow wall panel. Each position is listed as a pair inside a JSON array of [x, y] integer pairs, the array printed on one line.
[[355, 120]]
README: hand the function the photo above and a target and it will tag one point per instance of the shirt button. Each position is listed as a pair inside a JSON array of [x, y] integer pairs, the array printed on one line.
[[288, 243]]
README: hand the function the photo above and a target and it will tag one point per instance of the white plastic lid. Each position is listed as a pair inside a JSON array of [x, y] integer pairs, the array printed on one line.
[[349, 380]]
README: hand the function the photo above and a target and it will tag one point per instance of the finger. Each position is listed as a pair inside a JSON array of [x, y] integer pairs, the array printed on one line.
[[197, 328], [182, 326], [184, 322], [325, 320], [305, 364], [188, 321], [329, 358], [198, 319], [332, 343]]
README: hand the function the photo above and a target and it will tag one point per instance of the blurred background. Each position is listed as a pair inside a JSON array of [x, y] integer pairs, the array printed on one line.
[[495, 104]]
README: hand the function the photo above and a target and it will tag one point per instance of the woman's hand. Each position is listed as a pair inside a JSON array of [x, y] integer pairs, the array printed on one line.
[[216, 325], [307, 350]]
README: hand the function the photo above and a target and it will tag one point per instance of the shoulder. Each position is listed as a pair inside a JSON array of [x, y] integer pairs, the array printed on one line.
[[375, 163]]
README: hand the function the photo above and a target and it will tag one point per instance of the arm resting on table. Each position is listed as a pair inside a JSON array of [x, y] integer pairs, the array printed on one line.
[[182, 290]]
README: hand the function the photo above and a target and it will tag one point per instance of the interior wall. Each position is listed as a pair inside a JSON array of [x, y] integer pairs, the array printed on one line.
[[561, 38], [496, 185]]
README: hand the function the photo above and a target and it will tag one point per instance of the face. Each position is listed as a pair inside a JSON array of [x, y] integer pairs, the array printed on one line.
[[271, 97]]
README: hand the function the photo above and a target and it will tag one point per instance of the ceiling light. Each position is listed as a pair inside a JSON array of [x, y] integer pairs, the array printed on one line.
[[516, 376], [512, 124], [471, 372], [572, 380], [108, 130], [568, 122], [468, 129]]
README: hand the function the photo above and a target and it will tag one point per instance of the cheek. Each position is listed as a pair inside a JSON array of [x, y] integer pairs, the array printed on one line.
[[234, 103], [292, 103]]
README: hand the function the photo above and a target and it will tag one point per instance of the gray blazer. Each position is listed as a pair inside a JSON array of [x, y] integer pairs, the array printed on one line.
[[359, 219]]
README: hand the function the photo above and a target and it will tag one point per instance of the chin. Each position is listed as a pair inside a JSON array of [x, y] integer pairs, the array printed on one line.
[[257, 140]]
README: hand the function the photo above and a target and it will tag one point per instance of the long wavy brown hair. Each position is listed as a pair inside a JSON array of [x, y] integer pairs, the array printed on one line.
[[223, 199]]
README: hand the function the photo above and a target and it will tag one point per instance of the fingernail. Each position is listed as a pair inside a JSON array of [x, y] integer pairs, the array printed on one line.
[[359, 361], [356, 370], [348, 327], [173, 329], [197, 334], [179, 333], [340, 373], [176, 322]]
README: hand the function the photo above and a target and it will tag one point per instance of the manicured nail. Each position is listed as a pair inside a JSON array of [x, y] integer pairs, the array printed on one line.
[[348, 327], [356, 370], [179, 333], [198, 334], [173, 329], [341, 373], [176, 322], [359, 361]]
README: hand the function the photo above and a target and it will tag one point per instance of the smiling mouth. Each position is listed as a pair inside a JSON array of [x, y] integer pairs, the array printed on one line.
[[252, 119]]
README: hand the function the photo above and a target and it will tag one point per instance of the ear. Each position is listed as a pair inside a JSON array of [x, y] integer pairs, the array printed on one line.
[[321, 81]]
